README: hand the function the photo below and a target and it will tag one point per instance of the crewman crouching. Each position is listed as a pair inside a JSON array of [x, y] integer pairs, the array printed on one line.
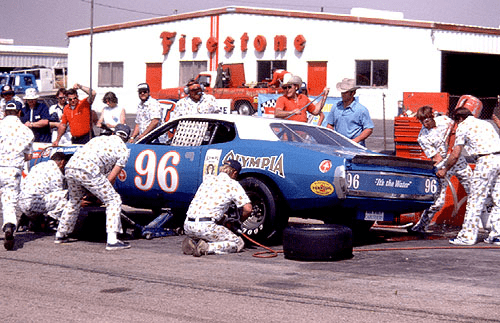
[[43, 190], [206, 211]]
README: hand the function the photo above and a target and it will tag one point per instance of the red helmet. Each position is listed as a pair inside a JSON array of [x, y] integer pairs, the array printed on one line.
[[473, 104]]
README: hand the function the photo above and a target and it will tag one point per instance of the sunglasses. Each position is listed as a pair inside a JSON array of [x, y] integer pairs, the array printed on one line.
[[62, 98], [143, 91], [286, 87], [72, 99]]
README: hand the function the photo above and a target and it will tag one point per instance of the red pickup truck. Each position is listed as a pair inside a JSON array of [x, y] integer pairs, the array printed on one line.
[[228, 82]]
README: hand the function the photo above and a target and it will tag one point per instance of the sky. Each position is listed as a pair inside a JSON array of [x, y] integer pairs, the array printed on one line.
[[45, 22]]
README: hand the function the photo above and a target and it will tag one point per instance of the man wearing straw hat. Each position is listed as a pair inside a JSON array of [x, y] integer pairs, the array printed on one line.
[[294, 106], [349, 117]]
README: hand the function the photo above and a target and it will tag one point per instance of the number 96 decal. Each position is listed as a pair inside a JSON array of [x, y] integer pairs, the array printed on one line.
[[147, 170], [431, 185]]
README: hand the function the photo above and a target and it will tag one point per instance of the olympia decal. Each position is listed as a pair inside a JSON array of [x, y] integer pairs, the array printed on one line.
[[273, 164]]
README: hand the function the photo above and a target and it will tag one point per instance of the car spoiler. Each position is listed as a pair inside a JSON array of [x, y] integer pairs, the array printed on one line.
[[393, 161]]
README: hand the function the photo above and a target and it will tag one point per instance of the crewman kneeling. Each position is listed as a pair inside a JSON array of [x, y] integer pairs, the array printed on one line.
[[206, 211], [43, 190]]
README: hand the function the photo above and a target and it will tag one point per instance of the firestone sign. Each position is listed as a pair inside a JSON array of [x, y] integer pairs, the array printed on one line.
[[259, 43]]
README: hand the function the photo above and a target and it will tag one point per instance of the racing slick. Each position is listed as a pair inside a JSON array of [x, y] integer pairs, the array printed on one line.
[[433, 138], [95, 167], [43, 189], [16, 147], [206, 212], [479, 139]]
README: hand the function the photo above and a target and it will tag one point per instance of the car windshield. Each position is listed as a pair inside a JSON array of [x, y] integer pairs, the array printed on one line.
[[310, 135]]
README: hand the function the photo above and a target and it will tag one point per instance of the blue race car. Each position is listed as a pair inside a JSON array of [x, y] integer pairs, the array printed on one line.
[[288, 169]]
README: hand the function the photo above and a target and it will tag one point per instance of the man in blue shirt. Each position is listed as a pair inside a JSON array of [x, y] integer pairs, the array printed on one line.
[[35, 115], [349, 117]]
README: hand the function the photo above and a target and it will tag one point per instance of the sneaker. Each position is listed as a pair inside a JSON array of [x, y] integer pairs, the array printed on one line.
[[495, 241], [118, 245], [188, 246], [59, 240], [201, 248], [462, 242], [9, 236]]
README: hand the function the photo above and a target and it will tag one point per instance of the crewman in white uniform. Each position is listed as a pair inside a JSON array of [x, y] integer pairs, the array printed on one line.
[[16, 147], [43, 190], [433, 138], [480, 139], [95, 167]]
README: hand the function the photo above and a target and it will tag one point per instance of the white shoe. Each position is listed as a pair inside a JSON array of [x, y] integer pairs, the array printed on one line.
[[462, 242]]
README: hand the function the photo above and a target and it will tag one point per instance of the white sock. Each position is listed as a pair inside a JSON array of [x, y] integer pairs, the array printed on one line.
[[112, 238]]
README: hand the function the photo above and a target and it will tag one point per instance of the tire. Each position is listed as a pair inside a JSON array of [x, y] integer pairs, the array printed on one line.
[[316, 242], [264, 223], [244, 108]]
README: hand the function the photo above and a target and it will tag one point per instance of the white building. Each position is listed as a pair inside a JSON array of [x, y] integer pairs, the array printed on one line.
[[387, 56], [16, 56]]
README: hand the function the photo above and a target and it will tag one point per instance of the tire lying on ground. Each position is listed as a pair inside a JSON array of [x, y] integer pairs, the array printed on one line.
[[312, 242]]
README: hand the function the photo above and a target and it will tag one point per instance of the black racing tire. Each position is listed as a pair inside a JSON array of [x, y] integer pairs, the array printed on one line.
[[263, 224], [317, 242]]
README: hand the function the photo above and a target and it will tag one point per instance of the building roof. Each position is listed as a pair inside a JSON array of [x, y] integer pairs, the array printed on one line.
[[292, 14]]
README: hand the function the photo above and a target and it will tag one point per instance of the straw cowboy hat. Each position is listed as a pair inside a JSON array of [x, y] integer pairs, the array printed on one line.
[[347, 85]]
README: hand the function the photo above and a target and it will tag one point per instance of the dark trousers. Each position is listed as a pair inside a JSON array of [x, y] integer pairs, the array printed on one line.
[[81, 140]]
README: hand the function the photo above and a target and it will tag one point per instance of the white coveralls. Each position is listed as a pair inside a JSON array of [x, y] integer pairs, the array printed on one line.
[[88, 169], [16, 140], [434, 141], [480, 139], [211, 201], [42, 191]]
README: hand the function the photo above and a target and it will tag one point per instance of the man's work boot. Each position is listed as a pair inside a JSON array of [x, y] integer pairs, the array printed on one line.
[[8, 242]]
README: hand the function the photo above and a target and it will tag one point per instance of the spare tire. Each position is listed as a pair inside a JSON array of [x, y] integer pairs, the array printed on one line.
[[312, 242]]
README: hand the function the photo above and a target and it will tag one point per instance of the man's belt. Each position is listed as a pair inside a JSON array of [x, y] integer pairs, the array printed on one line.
[[482, 155], [201, 219]]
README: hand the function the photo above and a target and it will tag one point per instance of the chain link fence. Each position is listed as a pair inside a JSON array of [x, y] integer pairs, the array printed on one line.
[[490, 105]]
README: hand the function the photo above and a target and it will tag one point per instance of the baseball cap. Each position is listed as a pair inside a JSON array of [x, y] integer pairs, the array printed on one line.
[[234, 164], [143, 86], [123, 131], [13, 105], [7, 89]]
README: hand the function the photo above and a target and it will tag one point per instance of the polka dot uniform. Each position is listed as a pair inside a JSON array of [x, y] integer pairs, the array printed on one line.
[[211, 201]]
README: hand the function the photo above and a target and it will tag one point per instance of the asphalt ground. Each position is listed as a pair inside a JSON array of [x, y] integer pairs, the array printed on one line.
[[391, 277]]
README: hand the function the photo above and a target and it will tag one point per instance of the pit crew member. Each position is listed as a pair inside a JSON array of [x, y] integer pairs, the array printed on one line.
[[16, 147], [95, 167], [206, 211]]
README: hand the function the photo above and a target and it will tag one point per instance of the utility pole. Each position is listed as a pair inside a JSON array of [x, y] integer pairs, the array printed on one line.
[[91, 53]]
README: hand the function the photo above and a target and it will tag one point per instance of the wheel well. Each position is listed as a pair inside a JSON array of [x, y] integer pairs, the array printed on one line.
[[278, 196]]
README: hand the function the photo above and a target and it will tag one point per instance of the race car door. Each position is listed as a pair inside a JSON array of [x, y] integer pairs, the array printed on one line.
[[166, 170]]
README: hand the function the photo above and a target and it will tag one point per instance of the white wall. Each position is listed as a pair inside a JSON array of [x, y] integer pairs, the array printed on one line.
[[413, 53]]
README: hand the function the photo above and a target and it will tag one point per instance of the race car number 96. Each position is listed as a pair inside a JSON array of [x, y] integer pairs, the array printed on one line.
[[431, 185], [147, 170]]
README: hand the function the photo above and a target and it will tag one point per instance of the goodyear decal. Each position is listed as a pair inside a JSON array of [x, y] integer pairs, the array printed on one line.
[[322, 188], [273, 164]]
